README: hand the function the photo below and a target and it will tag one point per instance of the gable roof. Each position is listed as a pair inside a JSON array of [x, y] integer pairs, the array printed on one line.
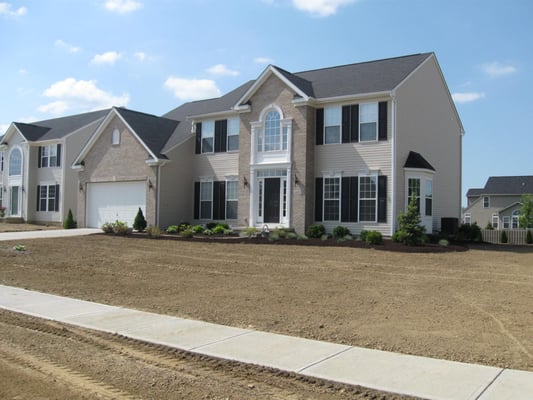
[[507, 185], [57, 128], [152, 130], [415, 160]]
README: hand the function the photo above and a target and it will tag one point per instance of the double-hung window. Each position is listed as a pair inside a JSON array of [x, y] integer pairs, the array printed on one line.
[[331, 199], [486, 202], [429, 198], [368, 198], [208, 136], [368, 122], [233, 134], [515, 219], [506, 222], [232, 197], [48, 198], [332, 125], [413, 191], [49, 156], [495, 220], [206, 200]]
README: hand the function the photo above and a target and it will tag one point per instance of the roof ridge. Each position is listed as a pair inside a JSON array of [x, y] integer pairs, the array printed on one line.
[[362, 62]]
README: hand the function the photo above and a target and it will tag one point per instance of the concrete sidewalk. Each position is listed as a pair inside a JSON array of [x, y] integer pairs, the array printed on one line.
[[392, 372], [51, 233]]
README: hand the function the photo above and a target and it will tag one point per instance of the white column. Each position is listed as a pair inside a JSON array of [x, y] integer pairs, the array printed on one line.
[[251, 185]]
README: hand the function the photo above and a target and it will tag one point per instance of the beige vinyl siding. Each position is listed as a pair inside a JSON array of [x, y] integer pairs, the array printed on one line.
[[352, 159], [176, 186], [482, 216], [427, 123], [215, 166]]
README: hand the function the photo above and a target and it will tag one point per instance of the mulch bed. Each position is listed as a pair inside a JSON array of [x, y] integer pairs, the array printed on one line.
[[388, 244]]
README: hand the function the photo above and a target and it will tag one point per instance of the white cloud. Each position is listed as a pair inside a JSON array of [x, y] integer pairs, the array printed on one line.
[[70, 48], [122, 6], [109, 57], [221, 69], [192, 89], [71, 94], [320, 8], [3, 128], [263, 60], [496, 69], [467, 97], [6, 9], [140, 56]]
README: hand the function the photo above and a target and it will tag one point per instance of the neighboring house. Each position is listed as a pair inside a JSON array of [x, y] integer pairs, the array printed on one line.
[[498, 204], [36, 181], [346, 145]]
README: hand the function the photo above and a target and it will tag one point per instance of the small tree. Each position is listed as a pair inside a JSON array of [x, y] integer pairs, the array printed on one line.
[[503, 237], [525, 219], [139, 224], [410, 231], [69, 223], [529, 237]]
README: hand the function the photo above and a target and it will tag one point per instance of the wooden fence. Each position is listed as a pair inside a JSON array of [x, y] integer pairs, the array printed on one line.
[[514, 236]]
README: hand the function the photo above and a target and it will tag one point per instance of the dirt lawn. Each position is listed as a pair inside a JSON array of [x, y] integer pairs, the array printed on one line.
[[474, 306]]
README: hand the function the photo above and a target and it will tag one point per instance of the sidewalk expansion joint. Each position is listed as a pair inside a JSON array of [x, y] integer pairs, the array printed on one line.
[[301, 370], [220, 340], [490, 383]]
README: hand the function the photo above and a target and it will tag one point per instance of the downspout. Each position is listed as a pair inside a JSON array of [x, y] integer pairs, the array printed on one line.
[[158, 194], [393, 161]]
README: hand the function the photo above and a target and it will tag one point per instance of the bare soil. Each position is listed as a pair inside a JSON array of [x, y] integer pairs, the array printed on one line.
[[472, 306]]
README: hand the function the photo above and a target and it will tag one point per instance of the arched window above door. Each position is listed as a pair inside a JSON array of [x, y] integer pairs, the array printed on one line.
[[15, 162]]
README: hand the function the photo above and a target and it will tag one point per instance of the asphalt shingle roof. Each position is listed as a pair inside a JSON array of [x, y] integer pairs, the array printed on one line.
[[415, 160], [509, 185], [57, 128]]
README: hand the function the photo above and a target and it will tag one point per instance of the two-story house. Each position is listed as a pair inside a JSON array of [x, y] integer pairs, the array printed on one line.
[[36, 181], [346, 145], [498, 204]]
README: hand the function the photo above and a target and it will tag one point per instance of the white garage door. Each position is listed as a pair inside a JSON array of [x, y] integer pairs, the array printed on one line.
[[111, 201]]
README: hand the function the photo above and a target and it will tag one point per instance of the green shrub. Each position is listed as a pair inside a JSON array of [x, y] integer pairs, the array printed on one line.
[[197, 229], [249, 232], [316, 231], [409, 226], [292, 235], [173, 229], [324, 237], [187, 233], [340, 232], [529, 238], [69, 223], [489, 226], [220, 228], [273, 236], [469, 233], [443, 243], [139, 223], [503, 237], [120, 228], [373, 237], [362, 235], [208, 232], [153, 232], [210, 225], [19, 247], [228, 232], [302, 237], [183, 226], [107, 227]]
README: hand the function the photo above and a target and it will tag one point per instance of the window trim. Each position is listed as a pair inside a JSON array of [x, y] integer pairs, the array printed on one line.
[[515, 219], [376, 121], [467, 219], [115, 137], [339, 125], [50, 188], [495, 221], [506, 222], [227, 199], [338, 198], [230, 133], [361, 199], [204, 137], [486, 202], [201, 200], [10, 175], [285, 131]]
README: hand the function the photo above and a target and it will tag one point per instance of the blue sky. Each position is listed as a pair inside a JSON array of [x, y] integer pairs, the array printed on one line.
[[62, 57]]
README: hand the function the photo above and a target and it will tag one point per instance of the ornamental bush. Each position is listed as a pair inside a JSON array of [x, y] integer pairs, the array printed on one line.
[[139, 224], [316, 231], [120, 228], [173, 229], [374, 237], [153, 232], [503, 237], [340, 232], [410, 230], [69, 223], [529, 238]]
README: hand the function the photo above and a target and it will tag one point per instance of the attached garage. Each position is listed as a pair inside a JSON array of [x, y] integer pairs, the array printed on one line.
[[111, 201]]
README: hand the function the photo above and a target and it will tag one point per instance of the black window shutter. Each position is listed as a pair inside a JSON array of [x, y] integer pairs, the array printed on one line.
[[38, 197], [196, 200], [319, 188], [39, 159], [221, 135], [219, 200], [346, 124], [58, 162], [57, 198], [349, 199], [354, 121], [319, 126], [382, 198], [382, 120], [354, 197], [198, 138]]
